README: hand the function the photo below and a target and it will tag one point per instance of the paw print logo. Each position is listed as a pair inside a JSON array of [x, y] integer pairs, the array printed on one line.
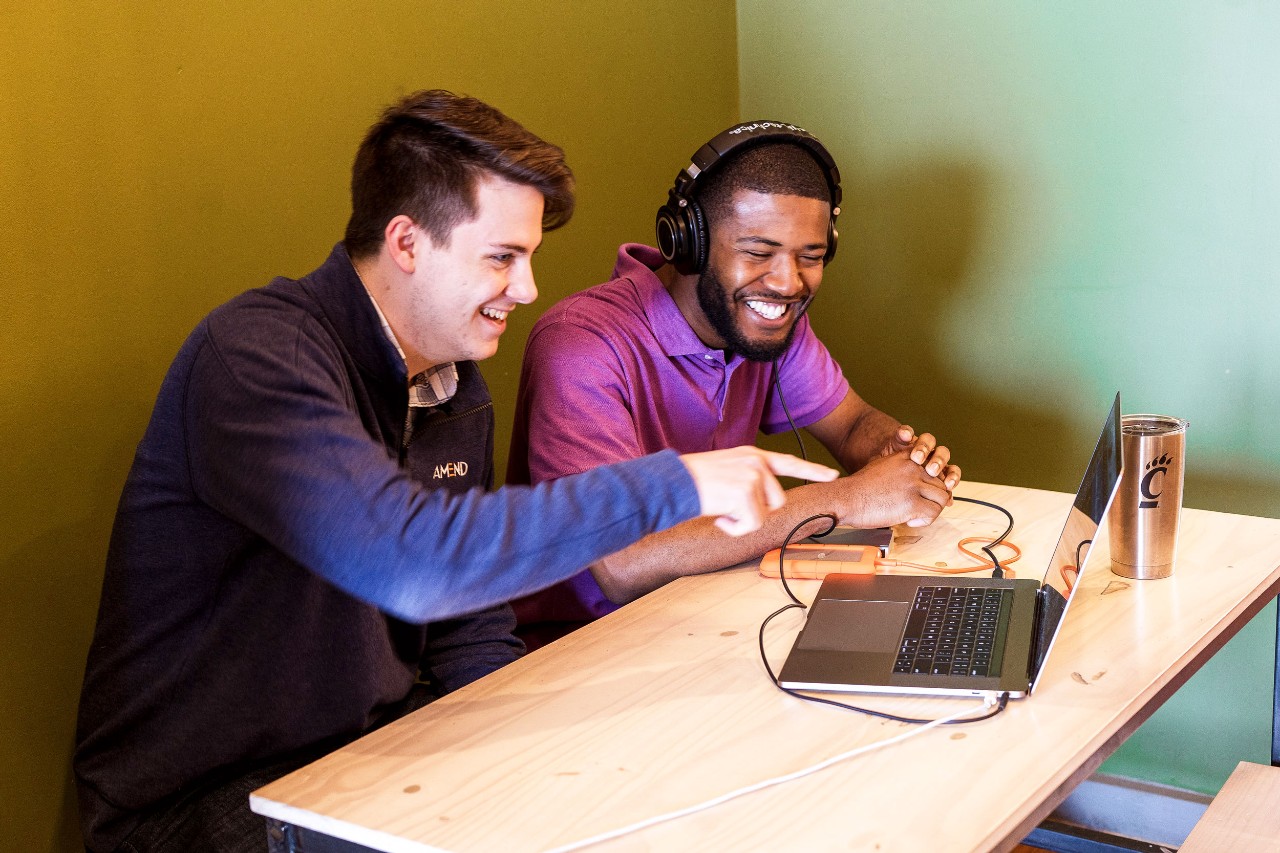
[[1153, 470]]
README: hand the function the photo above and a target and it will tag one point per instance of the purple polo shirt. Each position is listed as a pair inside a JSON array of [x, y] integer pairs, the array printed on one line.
[[615, 372]]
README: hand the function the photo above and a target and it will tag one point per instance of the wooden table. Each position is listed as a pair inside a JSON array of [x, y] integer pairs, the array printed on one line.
[[665, 704], [1244, 817]]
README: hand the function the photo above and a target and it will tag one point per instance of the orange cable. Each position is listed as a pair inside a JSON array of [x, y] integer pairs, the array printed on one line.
[[984, 562]]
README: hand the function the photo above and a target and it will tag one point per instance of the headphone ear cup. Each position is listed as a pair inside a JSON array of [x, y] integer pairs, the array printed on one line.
[[833, 236], [699, 244], [667, 227], [682, 234], [672, 227]]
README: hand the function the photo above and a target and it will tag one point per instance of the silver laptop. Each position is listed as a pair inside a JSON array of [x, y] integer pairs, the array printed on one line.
[[946, 635]]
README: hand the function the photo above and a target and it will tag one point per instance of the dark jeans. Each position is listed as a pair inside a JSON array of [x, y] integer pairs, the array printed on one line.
[[212, 819], [215, 817]]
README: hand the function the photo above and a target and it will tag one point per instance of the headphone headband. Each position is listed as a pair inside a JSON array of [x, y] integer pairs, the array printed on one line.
[[681, 225]]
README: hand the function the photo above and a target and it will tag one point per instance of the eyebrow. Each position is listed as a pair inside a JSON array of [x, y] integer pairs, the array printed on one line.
[[518, 248], [774, 243]]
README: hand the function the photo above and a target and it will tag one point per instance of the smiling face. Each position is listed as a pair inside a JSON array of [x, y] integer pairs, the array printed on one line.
[[453, 303], [764, 264]]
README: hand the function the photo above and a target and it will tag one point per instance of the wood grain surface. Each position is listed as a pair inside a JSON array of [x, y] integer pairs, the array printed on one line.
[[665, 704]]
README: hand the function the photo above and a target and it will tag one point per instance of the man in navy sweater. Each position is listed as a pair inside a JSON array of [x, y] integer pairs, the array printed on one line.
[[306, 546]]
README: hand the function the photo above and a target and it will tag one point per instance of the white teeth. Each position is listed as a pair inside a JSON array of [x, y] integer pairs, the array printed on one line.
[[494, 313], [768, 310]]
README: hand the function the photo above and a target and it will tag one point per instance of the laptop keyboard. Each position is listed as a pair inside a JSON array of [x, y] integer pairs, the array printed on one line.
[[951, 631]]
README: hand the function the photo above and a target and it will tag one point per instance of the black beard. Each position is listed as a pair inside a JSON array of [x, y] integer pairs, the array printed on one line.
[[719, 313]]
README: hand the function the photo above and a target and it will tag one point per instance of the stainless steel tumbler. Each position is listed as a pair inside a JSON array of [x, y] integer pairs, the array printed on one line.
[[1144, 516]]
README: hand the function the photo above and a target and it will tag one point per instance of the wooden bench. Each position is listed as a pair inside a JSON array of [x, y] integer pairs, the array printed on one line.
[[1244, 817]]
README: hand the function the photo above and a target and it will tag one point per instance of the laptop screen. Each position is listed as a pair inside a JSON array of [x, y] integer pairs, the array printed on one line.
[[1101, 479]]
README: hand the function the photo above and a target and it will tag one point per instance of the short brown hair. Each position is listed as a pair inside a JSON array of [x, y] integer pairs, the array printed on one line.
[[425, 156]]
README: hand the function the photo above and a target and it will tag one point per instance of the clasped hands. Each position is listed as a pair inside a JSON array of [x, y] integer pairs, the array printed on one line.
[[910, 481]]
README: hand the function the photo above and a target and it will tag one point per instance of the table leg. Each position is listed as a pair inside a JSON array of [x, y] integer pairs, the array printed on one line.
[[1275, 697], [1058, 837], [286, 838]]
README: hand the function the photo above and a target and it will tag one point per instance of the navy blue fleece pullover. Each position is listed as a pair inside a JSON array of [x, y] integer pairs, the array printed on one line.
[[282, 570]]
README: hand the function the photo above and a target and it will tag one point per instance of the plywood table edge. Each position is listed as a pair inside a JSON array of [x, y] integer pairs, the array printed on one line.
[[341, 829], [1110, 740]]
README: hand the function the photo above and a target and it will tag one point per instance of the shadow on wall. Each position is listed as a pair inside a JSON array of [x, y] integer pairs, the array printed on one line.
[[1230, 491], [49, 627], [907, 253], [50, 604]]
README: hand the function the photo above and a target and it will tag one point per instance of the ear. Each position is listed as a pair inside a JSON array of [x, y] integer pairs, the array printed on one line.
[[401, 241]]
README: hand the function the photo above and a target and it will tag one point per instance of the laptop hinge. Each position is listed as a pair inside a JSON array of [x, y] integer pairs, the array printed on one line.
[[1050, 606]]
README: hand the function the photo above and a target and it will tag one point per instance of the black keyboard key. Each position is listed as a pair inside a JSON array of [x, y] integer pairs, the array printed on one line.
[[951, 631]]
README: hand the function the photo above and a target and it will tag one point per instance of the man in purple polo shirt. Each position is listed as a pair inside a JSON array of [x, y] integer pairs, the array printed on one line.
[[700, 344]]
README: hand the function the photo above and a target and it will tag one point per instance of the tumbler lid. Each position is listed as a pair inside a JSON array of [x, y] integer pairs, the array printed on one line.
[[1152, 425]]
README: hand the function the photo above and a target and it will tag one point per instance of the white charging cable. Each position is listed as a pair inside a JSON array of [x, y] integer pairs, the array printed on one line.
[[777, 780]]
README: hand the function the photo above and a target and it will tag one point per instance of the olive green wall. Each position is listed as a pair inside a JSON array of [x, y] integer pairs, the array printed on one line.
[[1046, 203], [157, 158]]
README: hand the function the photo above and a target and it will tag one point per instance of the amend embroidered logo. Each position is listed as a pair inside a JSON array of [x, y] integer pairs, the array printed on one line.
[[451, 469], [1158, 466]]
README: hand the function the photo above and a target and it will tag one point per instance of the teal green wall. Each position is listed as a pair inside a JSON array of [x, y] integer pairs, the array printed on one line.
[[157, 158], [1047, 202]]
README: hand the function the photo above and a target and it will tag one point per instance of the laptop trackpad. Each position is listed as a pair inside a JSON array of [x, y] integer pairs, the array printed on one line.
[[854, 626]]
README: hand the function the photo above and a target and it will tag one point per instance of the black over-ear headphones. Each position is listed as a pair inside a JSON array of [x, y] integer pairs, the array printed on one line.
[[681, 225]]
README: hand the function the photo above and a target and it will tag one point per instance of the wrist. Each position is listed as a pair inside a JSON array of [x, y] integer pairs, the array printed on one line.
[[840, 497], [612, 587]]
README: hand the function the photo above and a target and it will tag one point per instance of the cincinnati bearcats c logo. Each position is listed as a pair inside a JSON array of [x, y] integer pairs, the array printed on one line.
[[1156, 468]]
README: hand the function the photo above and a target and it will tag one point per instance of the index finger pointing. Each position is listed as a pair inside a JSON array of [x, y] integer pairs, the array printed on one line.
[[786, 465]]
